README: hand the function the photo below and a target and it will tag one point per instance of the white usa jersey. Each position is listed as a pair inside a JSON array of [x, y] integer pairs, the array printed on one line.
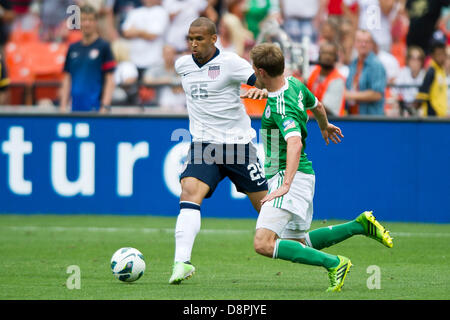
[[216, 113]]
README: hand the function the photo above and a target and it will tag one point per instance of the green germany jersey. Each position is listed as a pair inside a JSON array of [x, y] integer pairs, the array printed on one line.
[[285, 116]]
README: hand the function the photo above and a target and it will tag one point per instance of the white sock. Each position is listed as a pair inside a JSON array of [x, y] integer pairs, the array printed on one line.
[[187, 227]]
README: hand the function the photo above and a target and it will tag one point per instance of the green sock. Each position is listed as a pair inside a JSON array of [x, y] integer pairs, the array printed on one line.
[[296, 252], [328, 236]]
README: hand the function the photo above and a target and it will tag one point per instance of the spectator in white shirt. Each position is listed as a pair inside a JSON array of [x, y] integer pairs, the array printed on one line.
[[377, 17], [390, 63], [182, 13], [145, 27]]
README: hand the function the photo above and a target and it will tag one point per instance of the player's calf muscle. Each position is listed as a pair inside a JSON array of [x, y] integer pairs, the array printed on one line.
[[264, 242]]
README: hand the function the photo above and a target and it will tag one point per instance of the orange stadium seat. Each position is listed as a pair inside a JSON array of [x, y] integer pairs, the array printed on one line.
[[19, 73], [19, 35], [47, 63], [35, 62]]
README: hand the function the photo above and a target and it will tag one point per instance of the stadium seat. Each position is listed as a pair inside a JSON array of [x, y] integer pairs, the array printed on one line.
[[19, 73], [35, 63], [19, 35], [47, 63]]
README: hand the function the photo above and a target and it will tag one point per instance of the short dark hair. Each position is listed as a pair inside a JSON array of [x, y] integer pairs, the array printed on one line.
[[205, 22], [87, 9], [268, 56]]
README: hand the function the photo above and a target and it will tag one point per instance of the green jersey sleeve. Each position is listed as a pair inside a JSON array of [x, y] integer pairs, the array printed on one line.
[[306, 98], [309, 100]]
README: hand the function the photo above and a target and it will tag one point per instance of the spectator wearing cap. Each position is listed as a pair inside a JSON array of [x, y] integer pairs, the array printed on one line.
[[366, 82]]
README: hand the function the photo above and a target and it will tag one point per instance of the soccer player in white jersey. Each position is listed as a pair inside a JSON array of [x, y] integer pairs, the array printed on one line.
[[287, 209], [221, 135]]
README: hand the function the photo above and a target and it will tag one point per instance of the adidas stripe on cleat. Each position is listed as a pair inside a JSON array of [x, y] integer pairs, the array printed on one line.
[[374, 229], [338, 274]]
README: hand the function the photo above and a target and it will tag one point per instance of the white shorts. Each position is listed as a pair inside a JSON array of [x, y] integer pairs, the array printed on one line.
[[289, 216]]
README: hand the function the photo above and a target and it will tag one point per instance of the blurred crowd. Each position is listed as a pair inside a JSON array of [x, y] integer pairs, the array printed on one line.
[[360, 57]]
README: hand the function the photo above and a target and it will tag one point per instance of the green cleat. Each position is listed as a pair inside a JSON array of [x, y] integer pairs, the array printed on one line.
[[181, 271], [337, 275], [374, 229]]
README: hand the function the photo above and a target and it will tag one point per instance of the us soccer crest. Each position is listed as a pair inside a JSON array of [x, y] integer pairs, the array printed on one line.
[[93, 54], [213, 72]]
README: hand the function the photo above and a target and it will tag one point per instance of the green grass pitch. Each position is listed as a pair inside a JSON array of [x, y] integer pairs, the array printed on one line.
[[36, 251]]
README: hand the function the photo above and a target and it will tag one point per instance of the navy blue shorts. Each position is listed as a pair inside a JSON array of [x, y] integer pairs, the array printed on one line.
[[211, 163]]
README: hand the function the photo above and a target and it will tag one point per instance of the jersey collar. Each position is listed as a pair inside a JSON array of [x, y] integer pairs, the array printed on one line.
[[282, 89], [200, 64]]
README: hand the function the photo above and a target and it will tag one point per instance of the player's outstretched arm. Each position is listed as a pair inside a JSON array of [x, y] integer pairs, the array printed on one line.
[[328, 130]]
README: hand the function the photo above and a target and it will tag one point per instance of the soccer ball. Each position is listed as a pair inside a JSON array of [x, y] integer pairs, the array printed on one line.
[[127, 264]]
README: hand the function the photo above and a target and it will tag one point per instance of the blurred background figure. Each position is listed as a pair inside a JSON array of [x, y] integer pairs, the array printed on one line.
[[325, 81], [170, 94], [432, 96], [258, 10], [125, 76], [145, 27], [409, 79], [182, 13], [104, 9], [423, 17], [366, 83], [6, 19], [376, 16], [390, 63], [121, 8], [233, 36], [4, 83], [88, 70], [447, 71], [329, 31], [53, 19], [302, 18]]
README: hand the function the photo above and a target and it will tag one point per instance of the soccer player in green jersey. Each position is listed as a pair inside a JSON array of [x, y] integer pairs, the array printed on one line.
[[287, 209]]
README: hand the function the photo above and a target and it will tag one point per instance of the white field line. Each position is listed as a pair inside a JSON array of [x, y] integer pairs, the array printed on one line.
[[171, 230], [115, 229]]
